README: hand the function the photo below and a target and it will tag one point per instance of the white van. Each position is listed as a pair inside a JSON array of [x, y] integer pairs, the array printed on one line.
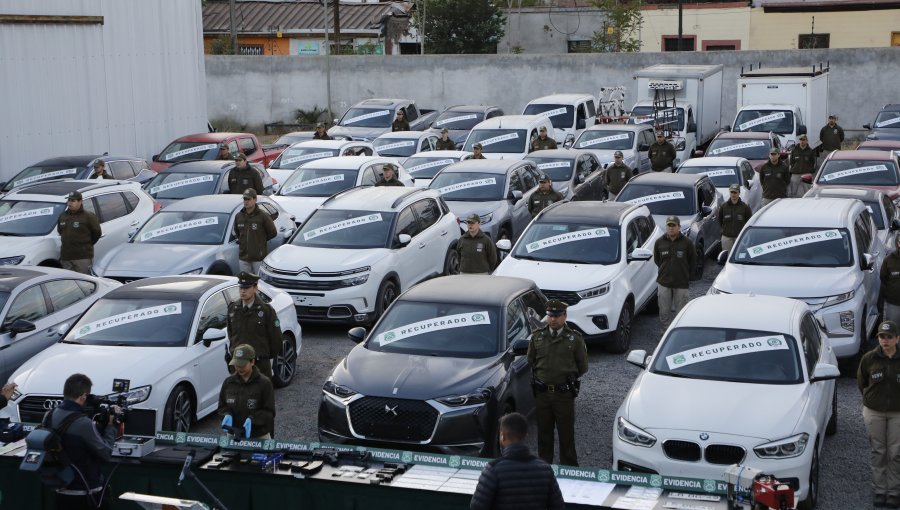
[[508, 136], [569, 113]]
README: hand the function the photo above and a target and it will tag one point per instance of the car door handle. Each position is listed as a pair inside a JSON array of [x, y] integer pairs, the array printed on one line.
[[422, 245], [443, 233], [135, 223], [102, 236]]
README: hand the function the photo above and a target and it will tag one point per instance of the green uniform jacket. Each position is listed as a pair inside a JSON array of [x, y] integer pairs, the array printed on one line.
[[446, 145], [803, 161], [617, 176], [831, 137], [254, 399], [240, 180], [476, 254], [253, 232], [104, 175], [257, 325], [557, 360], [878, 378], [392, 182], [479, 156], [890, 278], [733, 217], [539, 200], [676, 261], [323, 137], [78, 232], [400, 125], [661, 155], [775, 180], [542, 145]]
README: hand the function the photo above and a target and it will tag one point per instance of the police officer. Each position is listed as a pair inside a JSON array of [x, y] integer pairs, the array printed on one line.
[[100, 171], [476, 151], [400, 123], [320, 133], [243, 176], [389, 176], [477, 253], [803, 161], [247, 397], [617, 174], [558, 357], [774, 177], [445, 143], [254, 322], [890, 284], [78, 231], [253, 229], [831, 135], [733, 215], [662, 154], [676, 259], [542, 142], [544, 196], [224, 154]]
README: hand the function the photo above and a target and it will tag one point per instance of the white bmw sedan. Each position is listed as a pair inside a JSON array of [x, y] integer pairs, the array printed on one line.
[[725, 387]]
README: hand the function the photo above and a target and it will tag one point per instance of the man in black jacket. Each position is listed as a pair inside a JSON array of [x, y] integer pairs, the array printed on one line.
[[517, 480]]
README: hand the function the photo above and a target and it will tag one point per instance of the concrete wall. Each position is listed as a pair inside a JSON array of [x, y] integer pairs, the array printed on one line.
[[541, 30], [722, 24], [852, 29], [256, 90]]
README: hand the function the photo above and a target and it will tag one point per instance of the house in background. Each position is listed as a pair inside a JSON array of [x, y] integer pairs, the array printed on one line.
[[706, 26]]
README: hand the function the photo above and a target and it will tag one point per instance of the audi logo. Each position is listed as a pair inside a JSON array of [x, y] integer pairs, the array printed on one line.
[[52, 403]]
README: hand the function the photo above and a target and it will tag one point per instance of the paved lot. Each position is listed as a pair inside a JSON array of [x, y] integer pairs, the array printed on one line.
[[845, 475]]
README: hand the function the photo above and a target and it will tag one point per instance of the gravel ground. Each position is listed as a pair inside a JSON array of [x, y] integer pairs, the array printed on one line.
[[845, 475]]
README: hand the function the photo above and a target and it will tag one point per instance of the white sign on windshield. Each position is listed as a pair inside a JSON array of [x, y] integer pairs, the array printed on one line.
[[48, 175], [717, 173], [855, 171], [501, 138], [305, 157], [43, 211], [459, 320], [793, 241], [554, 164], [451, 120], [598, 141], [379, 113], [643, 119], [396, 145], [553, 113], [578, 235], [313, 182], [466, 185], [659, 197], [888, 122], [430, 164], [180, 183], [761, 120], [121, 319], [737, 147], [178, 227], [726, 349], [341, 225], [191, 150]]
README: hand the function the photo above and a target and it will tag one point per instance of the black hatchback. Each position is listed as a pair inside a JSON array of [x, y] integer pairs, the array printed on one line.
[[123, 168]]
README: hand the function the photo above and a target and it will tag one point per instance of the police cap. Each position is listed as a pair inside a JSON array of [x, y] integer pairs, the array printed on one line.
[[243, 354], [618, 154], [240, 155], [473, 218], [736, 188], [804, 137], [673, 220], [445, 130], [555, 308], [250, 193], [75, 195], [477, 146], [774, 150], [247, 280], [543, 178], [889, 328], [320, 125], [99, 163]]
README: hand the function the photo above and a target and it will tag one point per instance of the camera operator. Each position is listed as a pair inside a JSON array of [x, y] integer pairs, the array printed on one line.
[[83, 446]]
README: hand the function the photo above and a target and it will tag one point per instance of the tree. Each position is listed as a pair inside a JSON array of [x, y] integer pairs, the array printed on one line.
[[621, 28], [460, 26]]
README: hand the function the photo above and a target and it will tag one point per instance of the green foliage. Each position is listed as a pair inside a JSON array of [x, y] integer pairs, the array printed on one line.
[[460, 26], [221, 46], [309, 116], [620, 30]]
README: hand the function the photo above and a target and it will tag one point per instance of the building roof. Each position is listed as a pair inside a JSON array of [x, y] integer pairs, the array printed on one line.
[[302, 17], [827, 5]]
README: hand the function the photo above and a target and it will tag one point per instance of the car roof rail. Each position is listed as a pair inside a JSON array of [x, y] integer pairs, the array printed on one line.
[[406, 195], [104, 183], [348, 190]]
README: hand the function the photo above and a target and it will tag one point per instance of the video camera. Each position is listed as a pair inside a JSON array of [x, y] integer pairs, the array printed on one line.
[[99, 408]]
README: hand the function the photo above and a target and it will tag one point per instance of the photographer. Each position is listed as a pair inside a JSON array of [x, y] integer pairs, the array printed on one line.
[[83, 446]]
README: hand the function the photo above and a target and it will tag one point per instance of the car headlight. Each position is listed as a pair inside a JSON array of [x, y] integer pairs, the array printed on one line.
[[680, 145], [16, 395], [783, 448], [594, 292], [133, 396], [12, 261], [199, 270], [713, 290], [686, 230], [632, 434], [477, 397], [337, 390], [486, 218], [840, 298], [356, 280]]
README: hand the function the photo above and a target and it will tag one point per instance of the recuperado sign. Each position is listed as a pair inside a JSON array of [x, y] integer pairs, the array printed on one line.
[[793, 241], [658, 197], [341, 225], [477, 183], [568, 237], [459, 320], [141, 314], [726, 349]]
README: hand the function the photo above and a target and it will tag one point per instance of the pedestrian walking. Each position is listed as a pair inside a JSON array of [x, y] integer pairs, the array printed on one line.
[[733, 215], [774, 177], [675, 259], [78, 231], [477, 253], [253, 229]]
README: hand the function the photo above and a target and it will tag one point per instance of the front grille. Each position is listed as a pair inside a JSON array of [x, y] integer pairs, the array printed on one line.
[[283, 283], [682, 450], [32, 409], [568, 297], [312, 311], [724, 454], [393, 419]]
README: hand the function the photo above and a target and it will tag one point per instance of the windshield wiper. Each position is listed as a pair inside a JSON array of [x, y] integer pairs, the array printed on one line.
[[671, 374], [75, 342], [527, 257], [12, 234]]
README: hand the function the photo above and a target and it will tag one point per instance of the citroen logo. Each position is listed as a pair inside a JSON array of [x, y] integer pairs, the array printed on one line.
[[704, 436], [303, 271], [52, 403], [390, 410]]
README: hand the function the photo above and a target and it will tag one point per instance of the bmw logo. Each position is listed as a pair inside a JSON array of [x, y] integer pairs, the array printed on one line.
[[704, 436]]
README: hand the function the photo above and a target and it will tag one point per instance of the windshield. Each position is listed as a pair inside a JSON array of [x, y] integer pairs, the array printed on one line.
[[135, 323], [463, 121], [888, 120], [19, 218], [395, 147], [571, 243], [605, 139], [780, 122], [181, 185], [183, 227], [317, 182], [794, 247], [189, 151], [738, 148], [292, 138], [732, 355], [296, 156], [562, 116], [332, 228], [875, 209], [663, 200], [498, 140], [644, 115], [34, 174], [437, 329], [858, 172], [469, 185], [367, 117], [721, 176], [558, 169], [426, 168]]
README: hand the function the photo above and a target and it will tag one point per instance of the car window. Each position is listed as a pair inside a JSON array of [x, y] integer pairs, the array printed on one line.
[[213, 315], [29, 305], [516, 323], [412, 113], [121, 170], [591, 112], [647, 138], [515, 182], [369, 176], [248, 146], [63, 293], [747, 172], [645, 228], [428, 212], [585, 167], [889, 211], [139, 166], [709, 193], [407, 223], [232, 294], [862, 238], [87, 287], [426, 145], [534, 305], [812, 343], [111, 206], [632, 238], [528, 178], [269, 209], [132, 200], [233, 147]]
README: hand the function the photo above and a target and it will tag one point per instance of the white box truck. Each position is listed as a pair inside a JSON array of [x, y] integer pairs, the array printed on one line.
[[788, 101], [697, 94]]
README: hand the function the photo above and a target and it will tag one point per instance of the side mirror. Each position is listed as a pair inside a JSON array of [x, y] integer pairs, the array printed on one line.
[[895, 224], [357, 334], [212, 335], [807, 178], [580, 124], [637, 358], [520, 347], [699, 153], [288, 233], [404, 239], [20, 326], [506, 244], [722, 258], [705, 211], [824, 372], [867, 126], [155, 157], [644, 147], [726, 128], [640, 254], [868, 262], [132, 232], [515, 195], [569, 141], [801, 129]]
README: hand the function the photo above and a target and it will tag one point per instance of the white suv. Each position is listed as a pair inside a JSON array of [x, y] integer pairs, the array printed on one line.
[[28, 217], [597, 257], [360, 249]]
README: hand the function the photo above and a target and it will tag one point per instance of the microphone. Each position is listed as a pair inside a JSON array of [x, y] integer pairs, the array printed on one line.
[[187, 466]]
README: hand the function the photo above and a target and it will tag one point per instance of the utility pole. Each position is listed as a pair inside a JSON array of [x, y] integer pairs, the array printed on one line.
[[680, 13], [337, 26], [422, 46], [327, 61], [234, 44]]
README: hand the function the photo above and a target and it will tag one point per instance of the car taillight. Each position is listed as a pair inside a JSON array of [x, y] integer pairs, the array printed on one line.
[[274, 181], [156, 206]]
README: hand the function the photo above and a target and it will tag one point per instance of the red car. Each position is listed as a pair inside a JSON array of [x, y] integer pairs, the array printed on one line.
[[751, 146], [873, 169], [880, 145], [205, 146]]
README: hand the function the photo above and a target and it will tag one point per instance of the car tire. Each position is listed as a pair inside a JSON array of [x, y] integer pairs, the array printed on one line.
[[621, 337], [701, 260], [494, 449], [831, 426], [812, 496], [451, 262], [284, 365], [387, 293], [178, 415]]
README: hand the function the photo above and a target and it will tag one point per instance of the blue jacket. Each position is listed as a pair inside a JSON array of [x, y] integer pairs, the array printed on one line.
[[85, 447], [517, 480]]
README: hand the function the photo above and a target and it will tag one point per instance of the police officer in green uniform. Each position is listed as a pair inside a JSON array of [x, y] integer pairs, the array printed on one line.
[[247, 397], [733, 215], [389, 176], [400, 123], [803, 161], [476, 151], [543, 142], [254, 322], [477, 253], [445, 143], [831, 135], [544, 196], [320, 133], [675, 258], [662, 154], [774, 177], [253, 228], [100, 172], [243, 176], [617, 174], [78, 231], [558, 357]]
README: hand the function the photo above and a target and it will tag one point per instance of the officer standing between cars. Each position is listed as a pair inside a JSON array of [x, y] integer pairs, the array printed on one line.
[[78, 231], [247, 397], [890, 284], [400, 123], [254, 322], [676, 259], [253, 229], [878, 378], [476, 151], [320, 133], [733, 215], [558, 357], [774, 177], [243, 176], [543, 196], [543, 142], [831, 135], [662, 154], [389, 176], [445, 143], [617, 174], [803, 161], [477, 253], [100, 171], [224, 153]]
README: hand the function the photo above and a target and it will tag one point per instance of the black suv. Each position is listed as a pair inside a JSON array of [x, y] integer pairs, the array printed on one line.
[[886, 125]]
